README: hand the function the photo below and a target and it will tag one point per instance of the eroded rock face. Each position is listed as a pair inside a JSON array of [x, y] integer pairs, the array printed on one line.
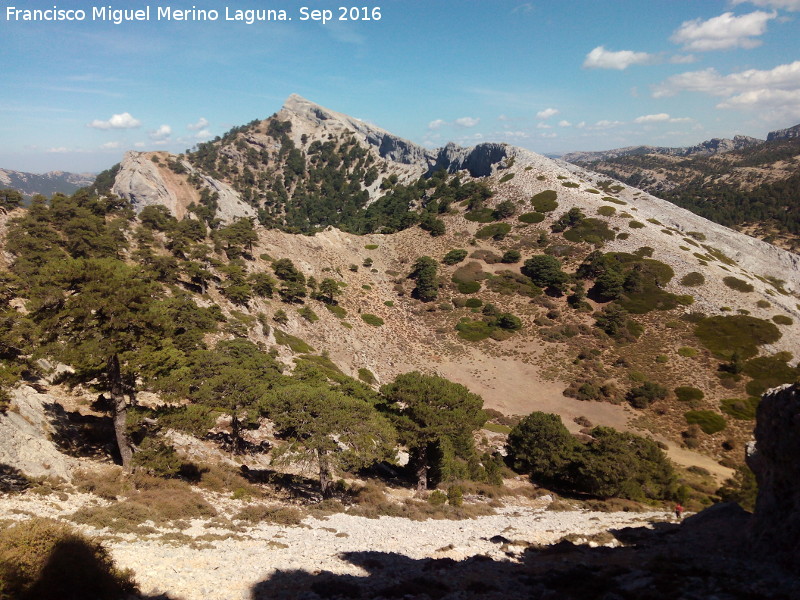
[[775, 459], [478, 160], [140, 182], [25, 437]]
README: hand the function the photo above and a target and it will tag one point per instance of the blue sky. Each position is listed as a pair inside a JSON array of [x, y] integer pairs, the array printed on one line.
[[548, 76]]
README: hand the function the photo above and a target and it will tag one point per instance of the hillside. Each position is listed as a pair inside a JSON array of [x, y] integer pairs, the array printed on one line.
[[744, 183], [304, 318], [46, 184], [307, 169]]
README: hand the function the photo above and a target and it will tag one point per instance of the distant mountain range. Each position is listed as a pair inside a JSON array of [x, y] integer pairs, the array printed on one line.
[[46, 184], [744, 182]]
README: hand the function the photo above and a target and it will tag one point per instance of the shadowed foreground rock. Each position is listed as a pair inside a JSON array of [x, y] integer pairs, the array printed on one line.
[[775, 460]]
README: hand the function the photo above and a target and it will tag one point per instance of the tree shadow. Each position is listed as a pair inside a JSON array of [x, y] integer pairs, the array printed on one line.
[[82, 435], [297, 486], [705, 557], [12, 480]]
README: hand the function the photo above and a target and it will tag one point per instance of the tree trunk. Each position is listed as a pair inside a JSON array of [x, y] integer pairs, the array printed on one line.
[[120, 415], [236, 439], [421, 460], [325, 478]]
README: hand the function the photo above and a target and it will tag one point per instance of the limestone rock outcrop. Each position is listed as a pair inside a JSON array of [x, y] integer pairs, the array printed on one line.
[[25, 437], [141, 182], [784, 134], [775, 460]]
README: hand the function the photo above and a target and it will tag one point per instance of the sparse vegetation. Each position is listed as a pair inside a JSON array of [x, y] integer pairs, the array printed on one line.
[[710, 422], [737, 284]]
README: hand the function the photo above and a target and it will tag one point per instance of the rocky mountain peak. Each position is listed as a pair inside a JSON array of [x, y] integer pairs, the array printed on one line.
[[784, 134]]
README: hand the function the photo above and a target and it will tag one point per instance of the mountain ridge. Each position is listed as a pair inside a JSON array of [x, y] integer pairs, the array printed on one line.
[[46, 184]]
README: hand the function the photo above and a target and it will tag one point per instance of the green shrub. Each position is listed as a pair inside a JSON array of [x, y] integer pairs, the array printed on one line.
[[710, 422], [469, 287], [635, 225], [371, 319], [768, 372], [336, 310], [158, 458], [570, 184], [611, 464], [366, 376], [507, 177], [613, 200], [480, 215], [645, 394], [455, 495], [743, 410], [737, 284], [742, 334], [606, 211], [592, 231], [687, 352], [592, 191], [294, 343], [496, 231], [531, 217], [782, 320], [473, 303], [513, 256], [454, 256], [371, 246], [263, 513], [693, 279], [43, 559], [687, 393], [545, 201], [473, 331], [195, 419], [437, 498], [308, 314]]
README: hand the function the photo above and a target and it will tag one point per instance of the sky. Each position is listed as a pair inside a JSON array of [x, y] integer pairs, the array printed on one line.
[[549, 76]]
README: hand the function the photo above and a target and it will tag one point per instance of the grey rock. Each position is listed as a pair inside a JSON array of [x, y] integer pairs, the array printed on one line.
[[784, 134], [775, 527]]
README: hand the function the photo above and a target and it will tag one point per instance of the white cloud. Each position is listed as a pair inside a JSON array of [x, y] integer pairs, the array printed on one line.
[[502, 118], [523, 8], [564, 123], [202, 123], [709, 81], [681, 120], [605, 124], [139, 145], [793, 5], [513, 134], [436, 124], [600, 58], [467, 122], [543, 126], [772, 94], [162, 133], [120, 121], [547, 113], [723, 32], [59, 150], [682, 59], [581, 125], [110, 146], [657, 118], [549, 135], [203, 135]]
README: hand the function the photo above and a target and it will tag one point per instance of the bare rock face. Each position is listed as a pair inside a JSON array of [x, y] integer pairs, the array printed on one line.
[[784, 134], [139, 181], [25, 437], [775, 460], [478, 160]]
